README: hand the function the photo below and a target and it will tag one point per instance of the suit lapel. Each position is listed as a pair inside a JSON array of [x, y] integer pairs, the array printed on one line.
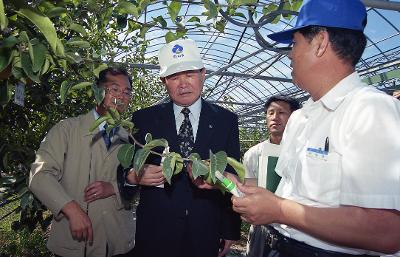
[[205, 130], [166, 122]]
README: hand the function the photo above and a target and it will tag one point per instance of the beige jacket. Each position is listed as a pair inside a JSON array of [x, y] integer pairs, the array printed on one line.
[[69, 158]]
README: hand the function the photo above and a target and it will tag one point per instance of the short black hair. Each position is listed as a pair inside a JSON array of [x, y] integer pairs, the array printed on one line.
[[293, 103], [348, 44], [113, 71]]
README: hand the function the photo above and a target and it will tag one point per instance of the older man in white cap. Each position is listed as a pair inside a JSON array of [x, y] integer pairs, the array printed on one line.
[[182, 220], [340, 189]]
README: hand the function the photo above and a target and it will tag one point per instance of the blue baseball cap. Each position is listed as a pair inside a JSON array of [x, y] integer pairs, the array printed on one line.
[[346, 14]]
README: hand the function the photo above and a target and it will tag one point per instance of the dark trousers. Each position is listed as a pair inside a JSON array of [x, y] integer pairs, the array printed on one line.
[[278, 245]]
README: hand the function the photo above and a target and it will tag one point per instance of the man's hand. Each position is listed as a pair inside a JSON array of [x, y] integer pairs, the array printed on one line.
[[227, 247], [396, 94], [79, 222], [151, 176], [98, 190], [258, 206], [199, 182]]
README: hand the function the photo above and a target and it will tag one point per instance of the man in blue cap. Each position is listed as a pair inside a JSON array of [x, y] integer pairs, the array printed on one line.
[[340, 189]]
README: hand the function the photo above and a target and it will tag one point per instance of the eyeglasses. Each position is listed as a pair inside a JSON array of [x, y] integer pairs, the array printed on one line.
[[114, 90]]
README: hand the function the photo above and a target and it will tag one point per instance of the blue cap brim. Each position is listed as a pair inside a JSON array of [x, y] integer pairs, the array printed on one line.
[[286, 36]]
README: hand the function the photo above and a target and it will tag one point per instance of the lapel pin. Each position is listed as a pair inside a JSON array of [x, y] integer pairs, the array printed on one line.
[[210, 126]]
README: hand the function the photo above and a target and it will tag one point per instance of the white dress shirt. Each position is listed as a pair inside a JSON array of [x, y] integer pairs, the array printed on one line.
[[361, 165], [194, 116]]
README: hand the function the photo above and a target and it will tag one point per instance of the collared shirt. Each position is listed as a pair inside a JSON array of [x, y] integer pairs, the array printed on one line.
[[194, 116], [96, 116], [342, 150], [251, 158]]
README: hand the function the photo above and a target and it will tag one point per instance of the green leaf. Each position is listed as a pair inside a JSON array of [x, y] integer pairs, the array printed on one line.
[[39, 53], [5, 94], [73, 57], [212, 10], [99, 93], [3, 17], [128, 125], [246, 2], [125, 7], [178, 164], [46, 65], [144, 3], [170, 36], [239, 168], [287, 6], [60, 48], [239, 14], [173, 9], [161, 21], [114, 114], [26, 198], [194, 19], [56, 11], [168, 167], [296, 4], [99, 68], [220, 25], [155, 143], [218, 162], [10, 42], [27, 67], [64, 89], [198, 168], [78, 28], [125, 154], [181, 32], [269, 8], [139, 160], [17, 72], [23, 36], [143, 30], [194, 156], [44, 24], [81, 85], [78, 43], [148, 137], [5, 58], [97, 122]]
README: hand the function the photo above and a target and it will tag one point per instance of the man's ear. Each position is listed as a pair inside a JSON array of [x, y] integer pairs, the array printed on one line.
[[162, 80], [203, 74], [322, 42]]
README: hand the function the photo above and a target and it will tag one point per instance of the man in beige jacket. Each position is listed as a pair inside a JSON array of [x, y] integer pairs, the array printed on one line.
[[75, 176]]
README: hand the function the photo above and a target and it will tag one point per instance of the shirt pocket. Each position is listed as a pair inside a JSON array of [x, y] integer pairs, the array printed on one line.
[[320, 179]]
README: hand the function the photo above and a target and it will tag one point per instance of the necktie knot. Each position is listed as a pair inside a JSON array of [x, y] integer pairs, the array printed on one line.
[[107, 137], [185, 111]]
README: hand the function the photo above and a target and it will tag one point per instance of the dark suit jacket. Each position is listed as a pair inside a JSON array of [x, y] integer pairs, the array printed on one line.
[[180, 219]]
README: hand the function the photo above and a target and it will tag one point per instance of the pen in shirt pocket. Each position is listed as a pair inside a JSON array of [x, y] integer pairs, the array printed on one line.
[[326, 144]]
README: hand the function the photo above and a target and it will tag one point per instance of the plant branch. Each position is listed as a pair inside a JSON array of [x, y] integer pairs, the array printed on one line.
[[151, 151]]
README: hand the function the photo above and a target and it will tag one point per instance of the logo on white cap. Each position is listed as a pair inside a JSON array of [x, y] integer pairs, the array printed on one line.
[[177, 50]]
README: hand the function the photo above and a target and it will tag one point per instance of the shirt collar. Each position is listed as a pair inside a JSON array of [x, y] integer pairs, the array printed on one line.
[[96, 116], [195, 109], [334, 97]]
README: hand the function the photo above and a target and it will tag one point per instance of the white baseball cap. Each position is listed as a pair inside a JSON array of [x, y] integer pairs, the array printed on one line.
[[179, 55]]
